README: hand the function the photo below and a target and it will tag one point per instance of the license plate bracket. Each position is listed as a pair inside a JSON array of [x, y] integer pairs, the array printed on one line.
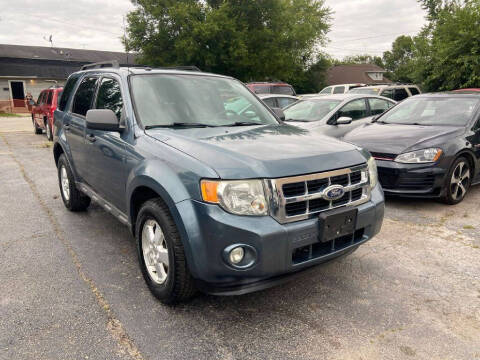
[[336, 223]]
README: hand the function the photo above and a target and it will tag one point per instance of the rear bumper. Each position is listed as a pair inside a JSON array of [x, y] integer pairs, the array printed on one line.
[[281, 249], [412, 180]]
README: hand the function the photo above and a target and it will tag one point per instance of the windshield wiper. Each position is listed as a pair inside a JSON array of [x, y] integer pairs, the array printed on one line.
[[243, 123], [297, 120], [381, 122], [178, 125]]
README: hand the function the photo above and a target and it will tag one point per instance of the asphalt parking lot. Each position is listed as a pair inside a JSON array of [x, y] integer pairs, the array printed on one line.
[[70, 287]]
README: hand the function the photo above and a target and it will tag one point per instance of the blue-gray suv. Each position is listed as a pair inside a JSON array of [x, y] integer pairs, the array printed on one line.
[[220, 194]]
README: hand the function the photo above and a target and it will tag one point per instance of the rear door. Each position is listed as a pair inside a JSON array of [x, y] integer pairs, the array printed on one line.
[[106, 149], [356, 109], [75, 125], [37, 110]]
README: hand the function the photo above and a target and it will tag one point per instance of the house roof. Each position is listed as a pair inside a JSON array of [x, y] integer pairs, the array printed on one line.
[[356, 73], [63, 54], [52, 62]]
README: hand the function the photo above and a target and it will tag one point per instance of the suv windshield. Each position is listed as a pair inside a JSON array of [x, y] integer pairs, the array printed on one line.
[[310, 110], [164, 100], [432, 111], [369, 91]]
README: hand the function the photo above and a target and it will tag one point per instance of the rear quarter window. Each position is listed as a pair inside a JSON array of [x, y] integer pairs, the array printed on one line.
[[413, 91]]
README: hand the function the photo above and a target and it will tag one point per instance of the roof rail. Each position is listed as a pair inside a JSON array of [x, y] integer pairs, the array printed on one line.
[[100, 65], [181, 67]]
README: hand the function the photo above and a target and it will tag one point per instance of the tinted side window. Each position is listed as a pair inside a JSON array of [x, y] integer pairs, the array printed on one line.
[[49, 97], [83, 98], [284, 102], [270, 102], [339, 89], [387, 93], [67, 90], [414, 91], [400, 94], [378, 106], [355, 109], [40, 98], [110, 97]]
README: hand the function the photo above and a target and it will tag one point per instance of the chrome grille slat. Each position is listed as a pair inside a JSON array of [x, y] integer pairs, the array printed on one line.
[[278, 201]]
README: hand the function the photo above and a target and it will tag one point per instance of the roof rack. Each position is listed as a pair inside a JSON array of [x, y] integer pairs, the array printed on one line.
[[100, 65]]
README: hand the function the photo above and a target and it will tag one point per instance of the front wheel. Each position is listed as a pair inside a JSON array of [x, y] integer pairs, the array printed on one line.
[[48, 130], [72, 198], [161, 254], [458, 181], [36, 129]]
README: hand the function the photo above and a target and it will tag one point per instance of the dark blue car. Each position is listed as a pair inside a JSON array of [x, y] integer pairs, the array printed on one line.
[[220, 201]]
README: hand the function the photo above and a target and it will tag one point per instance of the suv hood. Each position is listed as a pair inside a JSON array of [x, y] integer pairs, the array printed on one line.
[[397, 139], [269, 151]]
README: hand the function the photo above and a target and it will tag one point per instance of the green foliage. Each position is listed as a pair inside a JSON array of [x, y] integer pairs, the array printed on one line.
[[247, 39], [399, 62], [360, 59], [446, 54]]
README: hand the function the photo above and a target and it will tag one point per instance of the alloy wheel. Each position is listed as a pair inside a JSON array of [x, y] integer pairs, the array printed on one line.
[[460, 180], [65, 183], [155, 251]]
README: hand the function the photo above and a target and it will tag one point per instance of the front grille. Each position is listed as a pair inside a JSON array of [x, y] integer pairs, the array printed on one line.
[[393, 180], [297, 198], [319, 249], [383, 156]]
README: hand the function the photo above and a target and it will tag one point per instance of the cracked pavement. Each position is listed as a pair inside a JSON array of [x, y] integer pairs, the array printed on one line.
[[70, 286]]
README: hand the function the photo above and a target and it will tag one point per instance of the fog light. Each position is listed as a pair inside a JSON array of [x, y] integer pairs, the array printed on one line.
[[236, 255]]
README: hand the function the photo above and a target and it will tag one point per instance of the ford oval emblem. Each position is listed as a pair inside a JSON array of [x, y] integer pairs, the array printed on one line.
[[333, 192]]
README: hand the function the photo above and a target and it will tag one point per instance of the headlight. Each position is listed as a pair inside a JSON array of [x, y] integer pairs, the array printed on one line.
[[372, 171], [240, 197], [420, 156]]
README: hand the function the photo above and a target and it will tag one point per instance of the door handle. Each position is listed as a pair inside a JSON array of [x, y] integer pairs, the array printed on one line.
[[91, 138]]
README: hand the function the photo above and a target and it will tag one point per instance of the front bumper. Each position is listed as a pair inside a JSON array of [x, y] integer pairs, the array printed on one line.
[[282, 249], [412, 180]]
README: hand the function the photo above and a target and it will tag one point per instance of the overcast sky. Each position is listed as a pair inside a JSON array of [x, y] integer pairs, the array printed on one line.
[[358, 26]]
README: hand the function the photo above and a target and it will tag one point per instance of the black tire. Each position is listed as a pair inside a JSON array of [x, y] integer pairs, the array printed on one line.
[[48, 130], [179, 284], [451, 195], [36, 129], [76, 201]]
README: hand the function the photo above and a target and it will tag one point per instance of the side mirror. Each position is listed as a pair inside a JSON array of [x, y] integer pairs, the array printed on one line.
[[102, 119], [279, 112], [344, 120]]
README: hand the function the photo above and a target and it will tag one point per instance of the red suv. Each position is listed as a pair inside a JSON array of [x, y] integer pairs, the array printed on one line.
[[42, 111], [271, 88]]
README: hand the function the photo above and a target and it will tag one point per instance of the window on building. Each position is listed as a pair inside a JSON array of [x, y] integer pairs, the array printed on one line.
[[82, 101]]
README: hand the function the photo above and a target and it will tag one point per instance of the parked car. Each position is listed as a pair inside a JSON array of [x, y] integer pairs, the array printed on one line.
[[43, 109], [336, 115], [426, 146], [469, 90], [271, 88], [217, 201], [340, 88], [278, 101], [395, 92]]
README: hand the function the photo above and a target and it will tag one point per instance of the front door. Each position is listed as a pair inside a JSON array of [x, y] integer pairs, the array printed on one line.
[[74, 124], [106, 149], [18, 93], [356, 110]]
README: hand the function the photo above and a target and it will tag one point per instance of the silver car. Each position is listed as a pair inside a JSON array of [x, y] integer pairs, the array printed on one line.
[[336, 115]]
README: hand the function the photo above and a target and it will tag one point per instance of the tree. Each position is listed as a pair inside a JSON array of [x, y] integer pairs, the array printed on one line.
[[399, 62], [248, 39], [360, 59]]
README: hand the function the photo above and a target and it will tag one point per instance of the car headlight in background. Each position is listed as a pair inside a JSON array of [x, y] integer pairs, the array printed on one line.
[[420, 156], [240, 197], [372, 171]]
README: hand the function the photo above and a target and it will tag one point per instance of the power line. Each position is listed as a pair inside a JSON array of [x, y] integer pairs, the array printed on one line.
[[375, 36]]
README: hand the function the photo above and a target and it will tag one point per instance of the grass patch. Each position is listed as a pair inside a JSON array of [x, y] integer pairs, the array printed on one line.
[[9, 115]]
